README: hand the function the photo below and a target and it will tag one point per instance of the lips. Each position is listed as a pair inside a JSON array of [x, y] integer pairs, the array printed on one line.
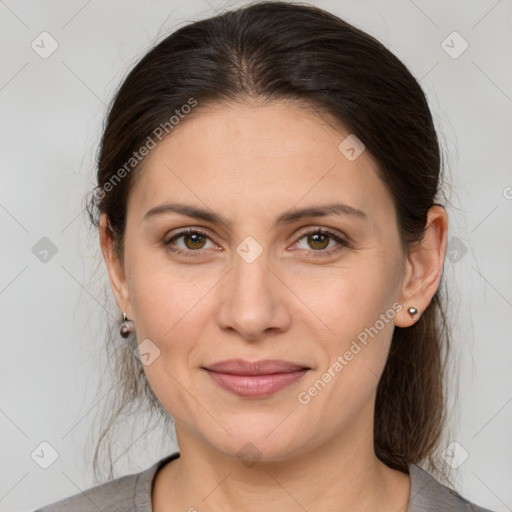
[[266, 367], [255, 379]]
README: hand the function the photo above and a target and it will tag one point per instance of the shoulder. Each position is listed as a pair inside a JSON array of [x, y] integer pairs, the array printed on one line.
[[130, 493], [428, 494], [118, 494]]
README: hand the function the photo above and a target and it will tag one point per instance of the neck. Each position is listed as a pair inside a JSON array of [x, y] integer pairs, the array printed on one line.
[[342, 475]]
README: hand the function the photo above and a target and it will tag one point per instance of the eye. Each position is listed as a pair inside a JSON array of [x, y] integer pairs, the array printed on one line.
[[319, 239], [193, 239]]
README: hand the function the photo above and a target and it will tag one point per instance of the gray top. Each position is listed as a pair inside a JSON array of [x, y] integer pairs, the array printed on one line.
[[132, 493]]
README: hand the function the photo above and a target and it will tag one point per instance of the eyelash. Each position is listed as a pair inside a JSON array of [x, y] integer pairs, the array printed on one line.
[[343, 244]]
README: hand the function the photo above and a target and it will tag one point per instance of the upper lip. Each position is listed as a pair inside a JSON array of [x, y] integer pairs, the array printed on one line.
[[266, 367]]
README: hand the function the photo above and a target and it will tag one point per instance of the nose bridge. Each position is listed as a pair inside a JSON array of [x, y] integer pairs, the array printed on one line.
[[250, 272], [250, 304]]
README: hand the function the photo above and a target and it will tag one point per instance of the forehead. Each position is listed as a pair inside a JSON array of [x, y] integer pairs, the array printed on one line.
[[254, 159]]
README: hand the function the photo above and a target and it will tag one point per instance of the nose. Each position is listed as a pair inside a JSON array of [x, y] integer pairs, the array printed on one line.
[[253, 301]]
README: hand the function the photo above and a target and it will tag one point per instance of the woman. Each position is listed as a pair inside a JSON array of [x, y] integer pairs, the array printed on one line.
[[267, 205]]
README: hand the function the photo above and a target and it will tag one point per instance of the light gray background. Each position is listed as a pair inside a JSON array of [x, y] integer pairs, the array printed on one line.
[[52, 312]]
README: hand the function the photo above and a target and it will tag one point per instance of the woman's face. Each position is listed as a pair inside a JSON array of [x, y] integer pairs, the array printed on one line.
[[255, 289]]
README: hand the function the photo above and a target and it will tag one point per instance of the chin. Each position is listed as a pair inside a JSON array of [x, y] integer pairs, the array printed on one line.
[[251, 445]]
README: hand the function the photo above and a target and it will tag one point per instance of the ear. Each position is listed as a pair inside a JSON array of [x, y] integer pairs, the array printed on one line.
[[115, 267], [424, 267]]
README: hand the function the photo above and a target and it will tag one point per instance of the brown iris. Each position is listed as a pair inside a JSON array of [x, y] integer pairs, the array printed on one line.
[[313, 239], [197, 240]]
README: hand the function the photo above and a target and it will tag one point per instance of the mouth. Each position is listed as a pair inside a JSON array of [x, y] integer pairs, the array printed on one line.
[[255, 379]]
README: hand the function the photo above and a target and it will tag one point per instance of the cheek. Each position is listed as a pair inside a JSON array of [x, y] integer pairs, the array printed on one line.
[[348, 381], [354, 309], [346, 298], [169, 312], [167, 302]]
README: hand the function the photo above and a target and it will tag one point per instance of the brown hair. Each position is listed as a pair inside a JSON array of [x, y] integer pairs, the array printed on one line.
[[288, 51]]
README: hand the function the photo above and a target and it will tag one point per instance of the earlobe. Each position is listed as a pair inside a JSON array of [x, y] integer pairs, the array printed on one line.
[[114, 265], [424, 266]]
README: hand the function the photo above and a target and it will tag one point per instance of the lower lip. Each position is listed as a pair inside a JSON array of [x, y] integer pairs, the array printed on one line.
[[256, 386]]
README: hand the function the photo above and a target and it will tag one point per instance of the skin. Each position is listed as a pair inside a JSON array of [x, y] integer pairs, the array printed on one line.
[[250, 163]]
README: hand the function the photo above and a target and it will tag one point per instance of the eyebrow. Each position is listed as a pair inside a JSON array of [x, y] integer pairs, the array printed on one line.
[[289, 217]]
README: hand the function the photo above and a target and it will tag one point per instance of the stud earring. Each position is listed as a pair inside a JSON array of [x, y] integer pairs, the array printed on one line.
[[412, 311], [126, 327]]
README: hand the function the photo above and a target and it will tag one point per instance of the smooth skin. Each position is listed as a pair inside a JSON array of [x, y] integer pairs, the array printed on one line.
[[298, 300]]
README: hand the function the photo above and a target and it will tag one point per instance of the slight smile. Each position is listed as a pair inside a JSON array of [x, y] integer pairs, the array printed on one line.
[[256, 379]]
